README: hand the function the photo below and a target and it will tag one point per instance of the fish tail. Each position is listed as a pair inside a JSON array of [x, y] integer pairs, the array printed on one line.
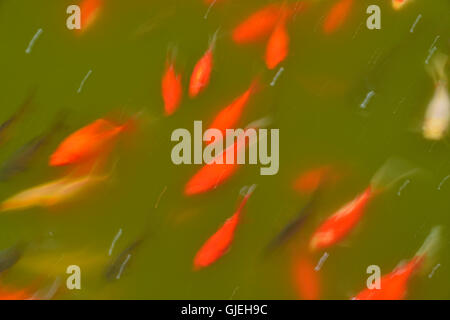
[[436, 68], [426, 255], [391, 172], [213, 39]]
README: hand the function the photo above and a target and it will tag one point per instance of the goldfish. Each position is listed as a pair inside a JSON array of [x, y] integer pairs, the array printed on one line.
[[5, 126], [15, 294], [87, 142], [51, 193], [398, 4], [228, 117], [337, 15], [343, 221], [308, 182], [258, 25], [90, 10], [216, 246], [23, 157], [218, 170], [171, 89], [393, 286], [437, 115], [202, 71], [10, 256], [278, 44], [306, 278], [294, 226]]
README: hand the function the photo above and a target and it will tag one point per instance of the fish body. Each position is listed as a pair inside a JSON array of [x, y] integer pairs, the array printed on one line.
[[86, 143], [90, 10], [50, 194], [306, 278], [216, 246], [228, 117], [337, 16], [399, 4], [338, 225], [258, 25], [171, 89], [437, 116], [217, 171], [278, 44]]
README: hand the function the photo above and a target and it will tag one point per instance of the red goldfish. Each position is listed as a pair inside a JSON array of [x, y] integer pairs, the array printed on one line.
[[306, 278], [89, 12], [202, 71], [171, 89], [308, 182], [337, 15], [258, 25], [219, 242], [230, 115], [278, 45], [341, 223], [217, 171], [87, 142], [393, 286]]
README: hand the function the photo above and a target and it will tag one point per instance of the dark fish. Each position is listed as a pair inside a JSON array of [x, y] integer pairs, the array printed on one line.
[[10, 256], [292, 228], [21, 159], [115, 268], [5, 126]]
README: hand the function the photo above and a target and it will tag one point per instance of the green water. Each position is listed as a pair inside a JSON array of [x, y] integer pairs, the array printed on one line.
[[315, 103]]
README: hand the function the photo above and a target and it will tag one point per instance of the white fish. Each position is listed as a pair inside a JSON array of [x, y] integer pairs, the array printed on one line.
[[437, 116]]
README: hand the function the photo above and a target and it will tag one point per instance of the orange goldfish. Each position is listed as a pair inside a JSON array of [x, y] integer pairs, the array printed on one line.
[[308, 182], [337, 15], [278, 45], [339, 224], [219, 242], [217, 171], [202, 71], [306, 278], [87, 142], [171, 89], [393, 286], [89, 12], [230, 115], [258, 25], [398, 4]]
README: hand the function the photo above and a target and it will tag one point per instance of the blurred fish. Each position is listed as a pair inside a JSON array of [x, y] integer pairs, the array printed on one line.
[[309, 181], [15, 294], [5, 126], [295, 225], [306, 278], [258, 25], [171, 88], [90, 10], [10, 256], [278, 45], [21, 159], [342, 222], [202, 71], [218, 244], [217, 171], [52, 193], [337, 16], [228, 117], [398, 4], [115, 268], [393, 286], [88, 142], [437, 116]]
